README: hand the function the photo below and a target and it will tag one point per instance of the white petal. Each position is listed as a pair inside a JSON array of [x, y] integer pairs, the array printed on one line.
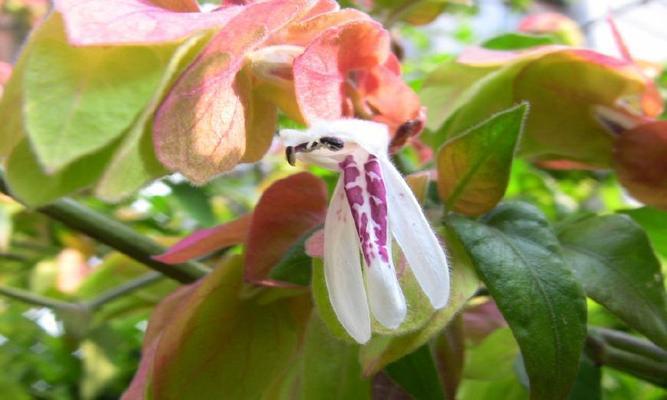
[[413, 233], [342, 268], [384, 294]]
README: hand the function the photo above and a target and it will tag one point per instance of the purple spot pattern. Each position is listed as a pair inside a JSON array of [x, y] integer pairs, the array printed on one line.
[[367, 197]]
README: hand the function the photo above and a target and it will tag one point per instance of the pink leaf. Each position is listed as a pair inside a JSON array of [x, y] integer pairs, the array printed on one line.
[[200, 128], [103, 22], [206, 241], [288, 209]]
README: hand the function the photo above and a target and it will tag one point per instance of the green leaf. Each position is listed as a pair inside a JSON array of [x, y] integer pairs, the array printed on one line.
[[28, 182], [332, 370], [588, 385], [654, 223], [417, 374], [195, 202], [11, 101], [474, 168], [574, 82], [295, 266], [222, 344], [498, 349], [134, 162], [613, 260], [92, 95], [506, 389], [518, 41], [443, 89], [518, 257]]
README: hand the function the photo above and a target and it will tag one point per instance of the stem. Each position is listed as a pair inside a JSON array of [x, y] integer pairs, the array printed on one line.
[[34, 299], [632, 358], [121, 290], [116, 235], [632, 344]]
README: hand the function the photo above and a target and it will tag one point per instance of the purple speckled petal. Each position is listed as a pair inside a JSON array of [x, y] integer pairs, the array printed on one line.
[[366, 196], [342, 268]]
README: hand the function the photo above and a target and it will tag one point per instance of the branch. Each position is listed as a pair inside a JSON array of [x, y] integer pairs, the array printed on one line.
[[633, 356], [91, 305], [117, 236], [121, 290], [35, 299]]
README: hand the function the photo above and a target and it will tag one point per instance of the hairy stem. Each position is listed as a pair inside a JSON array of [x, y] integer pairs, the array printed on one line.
[[116, 235]]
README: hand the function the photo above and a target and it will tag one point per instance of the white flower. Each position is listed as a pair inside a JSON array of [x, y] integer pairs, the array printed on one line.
[[371, 200]]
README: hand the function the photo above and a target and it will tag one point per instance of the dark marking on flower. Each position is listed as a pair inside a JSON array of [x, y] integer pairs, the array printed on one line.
[[378, 204]]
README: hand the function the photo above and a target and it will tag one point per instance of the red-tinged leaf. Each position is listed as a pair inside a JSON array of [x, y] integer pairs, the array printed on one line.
[[206, 241], [141, 381], [321, 72], [563, 27], [480, 320], [103, 22], [178, 5], [303, 32], [584, 86], [288, 209], [640, 160], [222, 344], [483, 57], [200, 128], [159, 321], [5, 73]]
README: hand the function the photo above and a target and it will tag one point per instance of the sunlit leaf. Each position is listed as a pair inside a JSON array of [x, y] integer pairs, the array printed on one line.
[[11, 129], [613, 260], [200, 128], [518, 257], [93, 96], [30, 184], [99, 22], [134, 163], [544, 77], [474, 168]]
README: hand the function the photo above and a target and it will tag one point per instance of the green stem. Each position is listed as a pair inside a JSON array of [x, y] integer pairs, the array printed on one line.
[[631, 359], [632, 344], [121, 290], [117, 236], [34, 299]]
